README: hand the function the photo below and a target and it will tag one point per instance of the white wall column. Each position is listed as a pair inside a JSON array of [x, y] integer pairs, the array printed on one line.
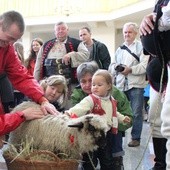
[[26, 40], [106, 34]]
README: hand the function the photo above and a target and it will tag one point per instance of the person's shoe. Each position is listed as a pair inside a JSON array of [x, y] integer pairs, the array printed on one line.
[[134, 143]]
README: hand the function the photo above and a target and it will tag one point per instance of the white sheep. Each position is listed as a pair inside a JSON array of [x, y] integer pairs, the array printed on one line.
[[54, 133]]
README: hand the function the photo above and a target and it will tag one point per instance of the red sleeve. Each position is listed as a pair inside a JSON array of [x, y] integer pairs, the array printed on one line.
[[10, 121], [31, 67], [18, 75]]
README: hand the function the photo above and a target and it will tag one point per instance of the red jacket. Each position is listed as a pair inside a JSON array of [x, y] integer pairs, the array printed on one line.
[[10, 121], [31, 66], [22, 81]]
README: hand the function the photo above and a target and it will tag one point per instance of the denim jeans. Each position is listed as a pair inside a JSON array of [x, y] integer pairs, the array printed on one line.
[[135, 96], [117, 142]]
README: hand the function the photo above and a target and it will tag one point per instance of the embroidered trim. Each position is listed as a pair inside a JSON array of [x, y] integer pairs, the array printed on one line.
[[46, 50]]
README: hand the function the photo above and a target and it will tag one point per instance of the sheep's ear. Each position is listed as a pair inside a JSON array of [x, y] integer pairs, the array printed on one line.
[[78, 125]]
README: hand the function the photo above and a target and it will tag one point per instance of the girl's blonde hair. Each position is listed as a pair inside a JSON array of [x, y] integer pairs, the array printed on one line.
[[55, 80], [106, 75]]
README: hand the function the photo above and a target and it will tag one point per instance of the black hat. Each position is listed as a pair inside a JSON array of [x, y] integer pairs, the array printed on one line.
[[154, 71]]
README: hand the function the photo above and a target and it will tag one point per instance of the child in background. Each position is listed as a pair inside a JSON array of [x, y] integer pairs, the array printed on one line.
[[55, 90], [101, 102]]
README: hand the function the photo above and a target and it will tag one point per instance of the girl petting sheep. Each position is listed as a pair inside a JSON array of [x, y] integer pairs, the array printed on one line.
[[85, 73], [101, 102], [55, 90]]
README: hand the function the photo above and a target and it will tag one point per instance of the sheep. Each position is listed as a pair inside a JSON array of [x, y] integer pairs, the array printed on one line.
[[61, 134]]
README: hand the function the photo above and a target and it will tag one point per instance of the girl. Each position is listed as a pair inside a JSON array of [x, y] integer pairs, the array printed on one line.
[[55, 90], [101, 102], [35, 47]]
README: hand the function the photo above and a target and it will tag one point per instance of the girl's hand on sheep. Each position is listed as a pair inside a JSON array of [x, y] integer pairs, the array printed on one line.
[[49, 108], [127, 119], [32, 113]]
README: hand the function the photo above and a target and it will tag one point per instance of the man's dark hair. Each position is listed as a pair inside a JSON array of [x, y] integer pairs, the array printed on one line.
[[87, 28], [12, 17]]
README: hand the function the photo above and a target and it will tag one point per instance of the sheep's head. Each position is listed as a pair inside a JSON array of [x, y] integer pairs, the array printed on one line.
[[94, 126]]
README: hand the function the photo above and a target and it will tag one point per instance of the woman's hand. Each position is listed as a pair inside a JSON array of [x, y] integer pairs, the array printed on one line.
[[147, 25], [49, 108]]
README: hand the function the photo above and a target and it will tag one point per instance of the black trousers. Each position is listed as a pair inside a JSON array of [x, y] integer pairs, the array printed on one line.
[[159, 145], [104, 155]]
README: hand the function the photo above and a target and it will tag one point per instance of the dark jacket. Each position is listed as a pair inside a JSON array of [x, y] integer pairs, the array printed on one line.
[[100, 54]]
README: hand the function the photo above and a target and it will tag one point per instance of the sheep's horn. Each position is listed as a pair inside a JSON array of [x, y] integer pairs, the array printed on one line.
[[79, 125]]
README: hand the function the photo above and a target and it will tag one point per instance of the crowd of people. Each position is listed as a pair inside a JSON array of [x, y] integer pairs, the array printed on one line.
[[76, 77]]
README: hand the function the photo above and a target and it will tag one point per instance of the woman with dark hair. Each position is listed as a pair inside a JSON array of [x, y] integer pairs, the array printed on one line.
[[35, 47]]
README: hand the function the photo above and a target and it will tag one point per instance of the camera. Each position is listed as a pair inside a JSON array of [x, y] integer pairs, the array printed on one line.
[[120, 68]]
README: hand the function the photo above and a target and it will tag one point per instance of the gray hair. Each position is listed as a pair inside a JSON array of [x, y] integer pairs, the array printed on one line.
[[12, 17], [86, 67], [61, 23], [133, 24]]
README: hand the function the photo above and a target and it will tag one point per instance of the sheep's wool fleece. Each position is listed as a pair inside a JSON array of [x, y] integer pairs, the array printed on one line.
[[52, 132]]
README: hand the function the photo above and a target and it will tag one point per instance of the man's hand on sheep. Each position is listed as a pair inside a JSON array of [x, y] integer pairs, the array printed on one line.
[[49, 108], [32, 113]]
